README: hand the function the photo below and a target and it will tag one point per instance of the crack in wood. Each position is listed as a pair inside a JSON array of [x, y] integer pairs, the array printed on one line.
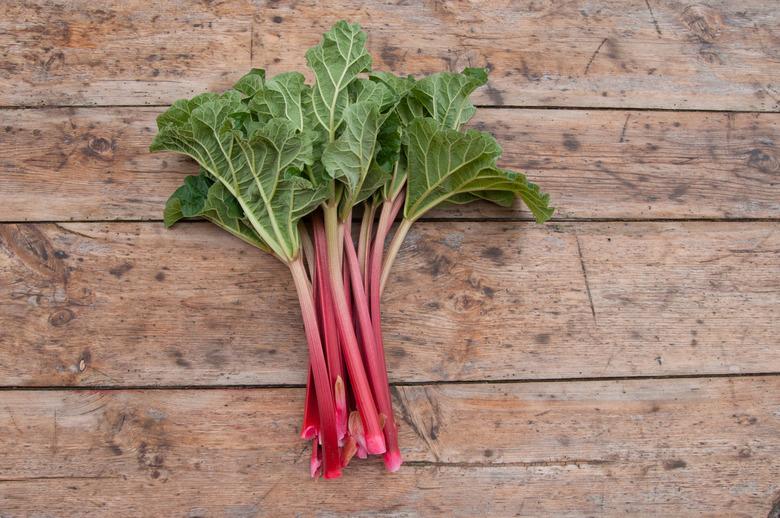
[[59, 477], [410, 419], [587, 67], [252, 42], [13, 421], [54, 435], [518, 464], [585, 275], [655, 22], [623, 133]]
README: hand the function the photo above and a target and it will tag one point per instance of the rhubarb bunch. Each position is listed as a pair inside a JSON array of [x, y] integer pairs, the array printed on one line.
[[284, 166]]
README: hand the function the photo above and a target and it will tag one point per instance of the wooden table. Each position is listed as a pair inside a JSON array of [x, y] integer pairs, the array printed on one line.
[[622, 359]]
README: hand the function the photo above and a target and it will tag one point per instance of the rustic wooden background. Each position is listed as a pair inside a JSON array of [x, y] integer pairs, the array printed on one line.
[[622, 359]]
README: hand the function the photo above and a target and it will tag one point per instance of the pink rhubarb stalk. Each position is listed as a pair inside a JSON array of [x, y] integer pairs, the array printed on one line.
[[328, 327], [327, 413], [387, 215], [376, 362], [375, 440]]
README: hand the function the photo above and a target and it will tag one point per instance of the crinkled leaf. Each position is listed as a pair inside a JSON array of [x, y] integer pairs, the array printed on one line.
[[364, 90], [493, 180], [390, 157], [187, 201], [538, 202], [180, 111], [500, 198], [389, 140], [205, 134], [200, 197], [282, 96], [408, 107], [502, 187], [349, 158], [251, 83], [336, 61], [255, 170], [398, 85], [443, 163], [445, 96], [273, 194], [375, 180]]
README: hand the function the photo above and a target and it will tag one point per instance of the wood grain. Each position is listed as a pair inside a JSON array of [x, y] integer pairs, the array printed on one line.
[[134, 304], [93, 164], [79, 52], [646, 447], [654, 54]]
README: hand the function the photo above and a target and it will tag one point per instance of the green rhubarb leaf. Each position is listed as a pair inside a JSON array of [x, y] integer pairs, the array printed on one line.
[[389, 140], [445, 96], [270, 187], [500, 198], [407, 108], [443, 163], [336, 62], [349, 158], [502, 187], [187, 201], [202, 129], [282, 96], [492, 181], [538, 202], [374, 181], [400, 86], [251, 83], [201, 197], [364, 90], [259, 171]]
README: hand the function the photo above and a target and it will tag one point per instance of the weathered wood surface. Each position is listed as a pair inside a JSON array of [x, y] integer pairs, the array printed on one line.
[[668, 447], [129, 304], [94, 164], [134, 304], [654, 54]]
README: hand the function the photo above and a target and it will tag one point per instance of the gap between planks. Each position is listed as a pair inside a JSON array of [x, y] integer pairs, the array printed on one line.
[[479, 106], [272, 386], [436, 219]]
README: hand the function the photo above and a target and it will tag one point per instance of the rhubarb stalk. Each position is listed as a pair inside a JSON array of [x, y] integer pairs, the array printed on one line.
[[327, 413], [375, 360], [375, 441]]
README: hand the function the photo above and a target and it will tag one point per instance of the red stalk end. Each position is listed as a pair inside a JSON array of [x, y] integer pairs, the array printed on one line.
[[316, 461], [393, 460], [311, 417], [349, 451]]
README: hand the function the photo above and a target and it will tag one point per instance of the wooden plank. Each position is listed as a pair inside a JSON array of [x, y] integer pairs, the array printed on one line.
[[78, 52], [94, 164], [654, 54], [134, 304], [674, 447]]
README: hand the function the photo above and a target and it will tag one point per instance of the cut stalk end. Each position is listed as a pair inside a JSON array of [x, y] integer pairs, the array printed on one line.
[[393, 460], [375, 444]]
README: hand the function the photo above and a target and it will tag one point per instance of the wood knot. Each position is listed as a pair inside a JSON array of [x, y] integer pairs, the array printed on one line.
[[99, 145], [703, 21], [764, 162], [100, 148], [61, 317]]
